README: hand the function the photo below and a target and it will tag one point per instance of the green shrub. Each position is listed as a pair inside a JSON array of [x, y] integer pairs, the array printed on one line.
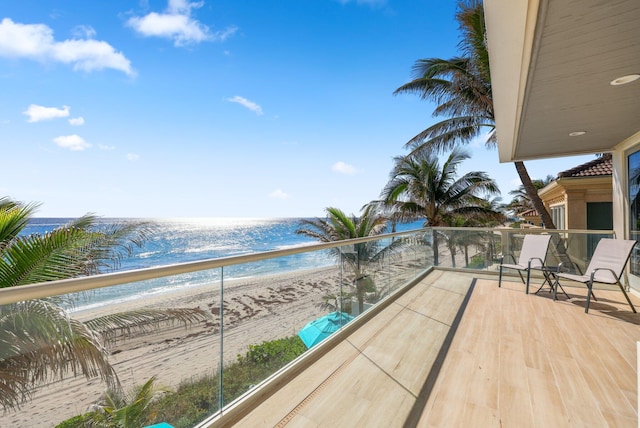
[[477, 262], [196, 399], [274, 353], [79, 421]]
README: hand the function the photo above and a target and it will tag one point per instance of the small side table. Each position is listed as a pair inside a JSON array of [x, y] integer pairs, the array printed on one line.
[[549, 273]]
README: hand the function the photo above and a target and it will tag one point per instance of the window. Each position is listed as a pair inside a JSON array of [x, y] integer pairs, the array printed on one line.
[[557, 215], [634, 206]]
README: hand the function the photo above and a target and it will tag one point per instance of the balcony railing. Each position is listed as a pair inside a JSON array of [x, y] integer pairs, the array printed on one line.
[[219, 358]]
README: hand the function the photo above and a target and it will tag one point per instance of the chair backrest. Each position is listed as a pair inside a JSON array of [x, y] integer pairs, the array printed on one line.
[[610, 254], [534, 247]]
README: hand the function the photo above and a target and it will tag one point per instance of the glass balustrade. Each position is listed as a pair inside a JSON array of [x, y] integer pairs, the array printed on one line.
[[200, 335], [196, 335], [483, 249]]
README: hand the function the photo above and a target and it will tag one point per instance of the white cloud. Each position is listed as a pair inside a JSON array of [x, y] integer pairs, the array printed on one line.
[[132, 157], [106, 147], [225, 34], [279, 194], [177, 24], [246, 103], [344, 168], [76, 121], [83, 32], [37, 113], [72, 142], [36, 42]]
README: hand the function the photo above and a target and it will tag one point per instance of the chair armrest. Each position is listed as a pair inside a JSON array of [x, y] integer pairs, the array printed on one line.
[[536, 258], [561, 267], [593, 273]]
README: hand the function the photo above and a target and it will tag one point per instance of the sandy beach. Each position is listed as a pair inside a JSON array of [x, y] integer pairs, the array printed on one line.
[[256, 310]]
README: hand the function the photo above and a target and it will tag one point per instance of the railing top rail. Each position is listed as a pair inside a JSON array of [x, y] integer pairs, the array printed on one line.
[[54, 288], [513, 230]]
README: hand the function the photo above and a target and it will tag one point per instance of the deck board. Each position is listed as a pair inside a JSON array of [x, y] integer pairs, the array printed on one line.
[[515, 360]]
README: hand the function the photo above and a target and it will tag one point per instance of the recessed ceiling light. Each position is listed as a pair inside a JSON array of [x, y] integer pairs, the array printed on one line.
[[623, 80], [577, 133]]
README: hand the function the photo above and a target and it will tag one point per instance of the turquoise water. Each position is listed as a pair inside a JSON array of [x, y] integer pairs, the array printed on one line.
[[184, 240]]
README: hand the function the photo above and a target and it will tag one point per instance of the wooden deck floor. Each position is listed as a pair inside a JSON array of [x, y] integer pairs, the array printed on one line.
[[452, 354]]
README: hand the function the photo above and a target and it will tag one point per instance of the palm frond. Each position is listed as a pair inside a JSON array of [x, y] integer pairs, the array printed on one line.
[[39, 343], [122, 324], [14, 217]]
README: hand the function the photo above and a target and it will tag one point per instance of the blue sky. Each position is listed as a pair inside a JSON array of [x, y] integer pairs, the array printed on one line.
[[217, 108]]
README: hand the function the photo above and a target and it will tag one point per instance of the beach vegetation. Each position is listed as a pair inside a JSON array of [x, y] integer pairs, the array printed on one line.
[[194, 399], [126, 409], [461, 88], [39, 341], [361, 257]]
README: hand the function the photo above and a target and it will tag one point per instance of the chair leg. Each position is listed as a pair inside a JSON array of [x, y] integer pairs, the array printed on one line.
[[589, 293], [528, 278], [633, 308], [500, 277], [565, 293]]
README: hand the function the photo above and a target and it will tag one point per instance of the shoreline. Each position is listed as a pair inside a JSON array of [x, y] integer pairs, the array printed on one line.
[[257, 309], [159, 292]]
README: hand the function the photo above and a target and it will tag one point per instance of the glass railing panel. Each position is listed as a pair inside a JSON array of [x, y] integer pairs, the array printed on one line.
[[163, 333], [466, 248], [483, 249], [571, 250], [412, 254], [227, 315], [265, 314]]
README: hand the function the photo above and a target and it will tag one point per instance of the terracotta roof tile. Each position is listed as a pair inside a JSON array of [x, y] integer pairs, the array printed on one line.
[[597, 167], [529, 213]]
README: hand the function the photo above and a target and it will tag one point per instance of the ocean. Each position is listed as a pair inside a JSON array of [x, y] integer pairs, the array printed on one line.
[[185, 240]]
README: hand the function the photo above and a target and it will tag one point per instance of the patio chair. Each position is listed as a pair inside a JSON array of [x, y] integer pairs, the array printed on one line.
[[606, 267], [532, 256]]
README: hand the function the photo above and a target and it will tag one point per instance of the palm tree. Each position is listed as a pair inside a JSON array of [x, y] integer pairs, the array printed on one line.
[[461, 88], [419, 188], [521, 201], [39, 341], [121, 409], [338, 226]]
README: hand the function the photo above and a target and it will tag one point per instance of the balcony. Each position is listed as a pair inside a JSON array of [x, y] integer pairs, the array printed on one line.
[[441, 345], [456, 350]]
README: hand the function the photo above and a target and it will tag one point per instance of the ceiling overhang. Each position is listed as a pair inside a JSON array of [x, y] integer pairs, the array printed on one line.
[[552, 62]]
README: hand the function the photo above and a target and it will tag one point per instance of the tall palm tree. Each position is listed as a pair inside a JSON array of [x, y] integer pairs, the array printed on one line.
[[461, 88], [338, 226], [39, 341], [419, 188]]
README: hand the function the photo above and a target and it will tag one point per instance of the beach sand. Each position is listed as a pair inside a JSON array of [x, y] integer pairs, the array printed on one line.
[[256, 310]]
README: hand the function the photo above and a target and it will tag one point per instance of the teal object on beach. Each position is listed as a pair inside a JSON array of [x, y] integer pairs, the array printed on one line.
[[319, 329], [160, 425]]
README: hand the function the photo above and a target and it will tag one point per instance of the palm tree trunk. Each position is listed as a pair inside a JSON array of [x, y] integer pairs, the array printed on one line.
[[532, 193]]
